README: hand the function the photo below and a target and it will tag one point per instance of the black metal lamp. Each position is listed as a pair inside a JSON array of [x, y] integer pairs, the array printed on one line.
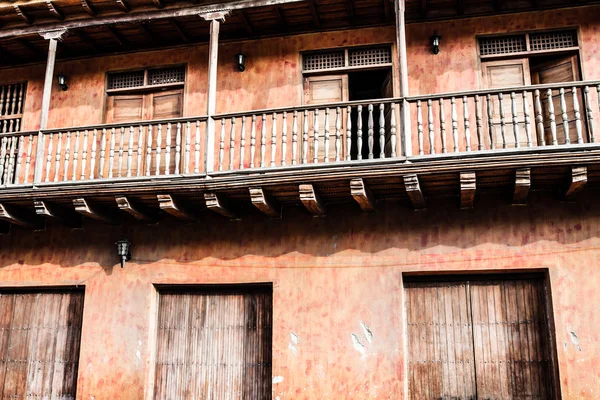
[[62, 82], [123, 251], [435, 43], [240, 59]]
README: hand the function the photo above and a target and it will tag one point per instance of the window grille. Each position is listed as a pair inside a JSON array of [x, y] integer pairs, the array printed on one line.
[[324, 60], [358, 57], [502, 45], [166, 75], [553, 40], [12, 98], [123, 80]]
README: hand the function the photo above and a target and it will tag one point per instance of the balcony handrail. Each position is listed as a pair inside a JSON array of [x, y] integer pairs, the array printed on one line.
[[20, 133]]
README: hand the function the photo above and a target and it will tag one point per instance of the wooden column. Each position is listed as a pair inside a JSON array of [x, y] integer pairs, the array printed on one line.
[[215, 19], [403, 69], [53, 37]]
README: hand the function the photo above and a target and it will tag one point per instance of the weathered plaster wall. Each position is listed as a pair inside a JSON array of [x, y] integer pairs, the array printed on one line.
[[328, 275]]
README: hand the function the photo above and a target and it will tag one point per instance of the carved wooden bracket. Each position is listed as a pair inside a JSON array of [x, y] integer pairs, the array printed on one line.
[[217, 204], [22, 15], [522, 186], [362, 195], [14, 217], [54, 10], [468, 186], [578, 181], [55, 34], [219, 15], [413, 189], [126, 206], [45, 210], [264, 203], [82, 207], [168, 204], [312, 201]]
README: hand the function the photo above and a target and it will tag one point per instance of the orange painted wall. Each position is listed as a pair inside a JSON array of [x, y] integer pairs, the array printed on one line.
[[328, 275]]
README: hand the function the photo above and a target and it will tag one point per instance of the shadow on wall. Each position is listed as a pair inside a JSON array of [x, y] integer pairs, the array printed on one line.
[[392, 231]]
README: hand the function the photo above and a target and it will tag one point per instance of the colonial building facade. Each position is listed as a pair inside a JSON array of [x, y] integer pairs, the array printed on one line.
[[286, 199]]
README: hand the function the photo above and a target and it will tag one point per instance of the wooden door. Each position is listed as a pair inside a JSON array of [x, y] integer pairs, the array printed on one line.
[[561, 70], [164, 106], [507, 74], [122, 109], [323, 90]]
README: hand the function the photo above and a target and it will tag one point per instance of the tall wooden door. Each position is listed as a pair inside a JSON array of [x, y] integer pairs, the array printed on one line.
[[322, 90], [561, 70], [507, 74], [479, 339]]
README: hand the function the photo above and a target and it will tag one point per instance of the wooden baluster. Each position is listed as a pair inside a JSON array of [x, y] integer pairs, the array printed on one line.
[[359, 141], [263, 140], [552, 117], [253, 141], [84, 154], [527, 119], [338, 133], [178, 149], [430, 127], [348, 133], [19, 157], [8, 172], [93, 158], [168, 149], [4, 144], [502, 120], [243, 142], [565, 117], [593, 139], [28, 159], [539, 119], [75, 156], [467, 124], [222, 145], [111, 151], [140, 150], [515, 119], [67, 156], [478, 123], [590, 114], [158, 148], [454, 117], [232, 143], [443, 126], [420, 131], [121, 151], [490, 115], [316, 137], [48, 158], [102, 153], [284, 138], [370, 131], [130, 151], [188, 146], [58, 156], [305, 138], [294, 137], [273, 139], [577, 111], [381, 131], [393, 128], [149, 150], [326, 130], [197, 149]]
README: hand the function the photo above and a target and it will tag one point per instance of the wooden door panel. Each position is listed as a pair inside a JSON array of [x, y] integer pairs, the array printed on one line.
[[166, 105], [123, 109]]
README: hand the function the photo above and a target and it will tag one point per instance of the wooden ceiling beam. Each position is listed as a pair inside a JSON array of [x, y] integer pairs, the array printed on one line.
[[361, 193], [82, 207], [22, 15], [29, 46], [173, 207], [16, 217], [65, 217], [264, 203], [283, 25], [351, 12], [136, 212], [578, 180], [387, 10], [87, 6], [158, 3], [423, 8], [180, 31], [315, 15], [55, 10], [522, 186], [123, 5], [414, 192], [246, 22], [312, 201], [87, 40], [117, 36], [468, 187], [460, 7], [148, 32], [218, 204]]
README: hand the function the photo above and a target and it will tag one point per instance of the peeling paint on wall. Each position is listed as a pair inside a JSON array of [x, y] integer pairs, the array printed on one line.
[[575, 340], [367, 332], [358, 345]]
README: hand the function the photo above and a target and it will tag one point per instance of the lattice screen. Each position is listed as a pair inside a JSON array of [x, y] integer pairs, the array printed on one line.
[[166, 75], [324, 60], [124, 80], [376, 56], [502, 45], [553, 40], [12, 98]]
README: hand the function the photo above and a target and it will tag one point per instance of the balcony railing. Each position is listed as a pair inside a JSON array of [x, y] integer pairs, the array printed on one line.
[[455, 124]]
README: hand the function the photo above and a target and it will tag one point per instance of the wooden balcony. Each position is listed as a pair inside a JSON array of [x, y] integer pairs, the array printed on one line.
[[411, 149]]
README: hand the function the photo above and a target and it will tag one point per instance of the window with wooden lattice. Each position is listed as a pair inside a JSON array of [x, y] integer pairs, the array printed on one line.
[[353, 57], [12, 98], [530, 42]]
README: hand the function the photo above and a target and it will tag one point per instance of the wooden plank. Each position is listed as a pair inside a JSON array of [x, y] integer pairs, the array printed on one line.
[[578, 181], [22, 14], [468, 186], [82, 207], [168, 204], [87, 6], [125, 205], [413, 189], [311, 200], [55, 10], [16, 217], [361, 193], [264, 203], [217, 203], [522, 186], [44, 209]]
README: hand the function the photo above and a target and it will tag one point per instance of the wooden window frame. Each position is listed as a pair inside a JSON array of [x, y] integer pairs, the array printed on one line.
[[346, 66]]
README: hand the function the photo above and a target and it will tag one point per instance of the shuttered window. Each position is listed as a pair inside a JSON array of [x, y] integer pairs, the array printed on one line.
[[214, 342], [479, 339], [39, 344]]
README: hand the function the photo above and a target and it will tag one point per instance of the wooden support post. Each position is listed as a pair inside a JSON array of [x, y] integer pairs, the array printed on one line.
[[82, 207], [312, 201], [168, 204], [125, 205], [216, 203], [215, 19], [16, 218], [362, 195], [65, 217], [264, 203], [578, 181], [400, 8], [413, 189], [522, 186], [468, 186]]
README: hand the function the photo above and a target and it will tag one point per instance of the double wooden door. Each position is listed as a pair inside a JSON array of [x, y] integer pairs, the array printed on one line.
[[478, 340]]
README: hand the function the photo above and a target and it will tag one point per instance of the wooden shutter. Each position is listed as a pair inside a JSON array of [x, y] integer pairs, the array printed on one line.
[[39, 344], [556, 71], [484, 339], [214, 343], [323, 90], [166, 105], [505, 74]]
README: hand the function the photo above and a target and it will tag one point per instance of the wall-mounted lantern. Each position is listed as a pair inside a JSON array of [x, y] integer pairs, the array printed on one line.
[[240, 60], [435, 43], [62, 82], [123, 251]]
